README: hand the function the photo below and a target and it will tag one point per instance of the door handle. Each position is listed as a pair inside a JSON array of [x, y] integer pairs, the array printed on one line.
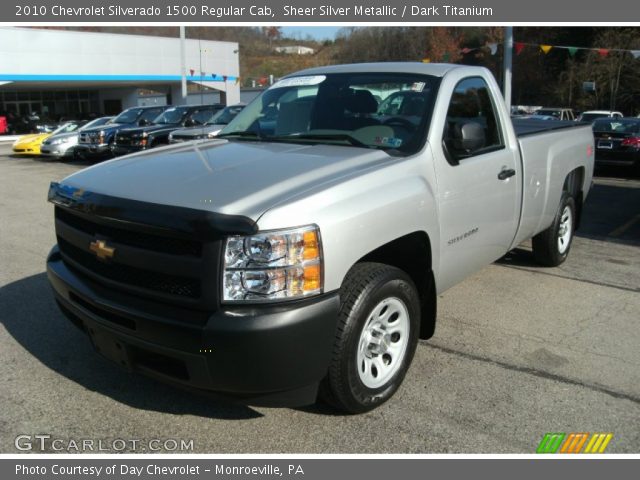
[[506, 173]]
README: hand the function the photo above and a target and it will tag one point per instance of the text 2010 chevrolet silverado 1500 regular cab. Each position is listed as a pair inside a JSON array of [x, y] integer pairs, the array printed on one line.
[[301, 253]]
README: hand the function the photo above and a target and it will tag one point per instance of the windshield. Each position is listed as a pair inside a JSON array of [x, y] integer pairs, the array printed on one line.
[[388, 111], [171, 116], [549, 112], [224, 116], [66, 128], [128, 116], [616, 125]]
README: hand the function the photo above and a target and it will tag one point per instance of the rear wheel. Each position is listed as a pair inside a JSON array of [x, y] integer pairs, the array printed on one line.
[[551, 247], [376, 338]]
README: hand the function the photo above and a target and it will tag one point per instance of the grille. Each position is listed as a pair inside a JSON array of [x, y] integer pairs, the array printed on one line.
[[122, 140], [89, 138], [158, 282], [156, 243]]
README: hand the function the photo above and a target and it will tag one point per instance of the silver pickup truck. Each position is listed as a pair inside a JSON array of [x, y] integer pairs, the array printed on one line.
[[300, 254]]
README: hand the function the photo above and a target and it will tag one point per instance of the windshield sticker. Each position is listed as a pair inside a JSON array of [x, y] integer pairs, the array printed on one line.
[[418, 87], [299, 81], [388, 141]]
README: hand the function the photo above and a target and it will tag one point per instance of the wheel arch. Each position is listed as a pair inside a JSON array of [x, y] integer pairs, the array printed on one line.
[[412, 254], [573, 184]]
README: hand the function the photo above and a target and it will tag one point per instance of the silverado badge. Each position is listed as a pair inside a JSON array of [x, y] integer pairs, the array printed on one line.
[[101, 249]]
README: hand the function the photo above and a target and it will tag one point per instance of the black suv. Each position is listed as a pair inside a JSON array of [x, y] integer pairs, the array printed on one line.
[[97, 141], [130, 140]]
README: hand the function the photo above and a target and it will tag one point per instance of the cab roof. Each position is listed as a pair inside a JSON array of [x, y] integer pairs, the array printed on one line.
[[434, 69]]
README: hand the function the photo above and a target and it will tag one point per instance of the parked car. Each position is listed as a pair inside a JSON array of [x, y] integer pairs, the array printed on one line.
[[557, 113], [62, 145], [134, 139], [592, 115], [96, 142], [275, 267], [30, 144], [617, 142], [211, 127]]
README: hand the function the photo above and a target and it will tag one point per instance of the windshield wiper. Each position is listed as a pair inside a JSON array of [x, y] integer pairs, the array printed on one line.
[[322, 136]]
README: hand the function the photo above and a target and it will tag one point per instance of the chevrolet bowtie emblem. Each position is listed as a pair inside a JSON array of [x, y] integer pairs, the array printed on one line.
[[102, 251]]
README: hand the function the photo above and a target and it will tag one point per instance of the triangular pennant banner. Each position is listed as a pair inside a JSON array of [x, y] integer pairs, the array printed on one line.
[[192, 71], [519, 46], [493, 47], [224, 78], [546, 48], [603, 52], [213, 75], [202, 74], [635, 53], [237, 80], [572, 50]]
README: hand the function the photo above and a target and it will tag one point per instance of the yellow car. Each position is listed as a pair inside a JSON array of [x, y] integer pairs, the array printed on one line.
[[30, 144]]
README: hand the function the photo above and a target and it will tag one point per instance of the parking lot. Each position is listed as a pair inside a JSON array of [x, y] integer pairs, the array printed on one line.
[[519, 351]]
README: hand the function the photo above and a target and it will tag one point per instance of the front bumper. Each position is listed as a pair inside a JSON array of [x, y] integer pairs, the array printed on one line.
[[26, 150], [93, 150], [258, 355], [57, 150], [119, 150]]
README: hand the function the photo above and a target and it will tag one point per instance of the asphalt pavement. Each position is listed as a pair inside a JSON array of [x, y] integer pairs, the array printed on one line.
[[519, 351]]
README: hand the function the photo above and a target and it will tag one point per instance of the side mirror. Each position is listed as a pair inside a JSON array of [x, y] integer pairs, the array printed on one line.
[[467, 137]]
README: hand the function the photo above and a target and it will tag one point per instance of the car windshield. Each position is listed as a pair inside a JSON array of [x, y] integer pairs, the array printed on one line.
[[171, 116], [128, 116], [616, 125], [387, 111], [66, 128], [549, 112], [224, 116]]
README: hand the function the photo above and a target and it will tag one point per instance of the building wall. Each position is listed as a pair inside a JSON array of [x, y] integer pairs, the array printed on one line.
[[113, 65]]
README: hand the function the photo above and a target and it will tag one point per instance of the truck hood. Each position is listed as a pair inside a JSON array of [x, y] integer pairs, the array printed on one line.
[[196, 132], [149, 129], [106, 128], [229, 177]]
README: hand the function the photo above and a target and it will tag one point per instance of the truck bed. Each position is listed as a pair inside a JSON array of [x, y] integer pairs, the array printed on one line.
[[526, 126]]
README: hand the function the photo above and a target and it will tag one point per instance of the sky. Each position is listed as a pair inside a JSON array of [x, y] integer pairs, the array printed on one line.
[[317, 33]]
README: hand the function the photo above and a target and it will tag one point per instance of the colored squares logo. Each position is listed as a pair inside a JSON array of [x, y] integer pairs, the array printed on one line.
[[574, 443]]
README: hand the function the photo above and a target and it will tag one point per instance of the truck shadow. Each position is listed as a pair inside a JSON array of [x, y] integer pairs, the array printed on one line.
[[30, 315]]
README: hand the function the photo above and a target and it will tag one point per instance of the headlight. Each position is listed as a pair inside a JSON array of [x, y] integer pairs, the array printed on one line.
[[101, 137], [59, 141], [213, 134], [271, 266], [170, 136]]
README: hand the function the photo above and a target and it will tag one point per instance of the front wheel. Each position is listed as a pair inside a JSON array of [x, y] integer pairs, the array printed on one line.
[[551, 247], [376, 338]]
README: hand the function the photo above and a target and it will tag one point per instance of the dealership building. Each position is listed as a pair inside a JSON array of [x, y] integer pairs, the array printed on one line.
[[60, 73]]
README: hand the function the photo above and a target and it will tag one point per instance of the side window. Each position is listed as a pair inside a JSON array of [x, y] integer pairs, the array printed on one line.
[[199, 117], [151, 114], [471, 127]]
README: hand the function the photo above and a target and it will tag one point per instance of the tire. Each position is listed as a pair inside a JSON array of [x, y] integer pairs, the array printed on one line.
[[551, 247], [376, 337]]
